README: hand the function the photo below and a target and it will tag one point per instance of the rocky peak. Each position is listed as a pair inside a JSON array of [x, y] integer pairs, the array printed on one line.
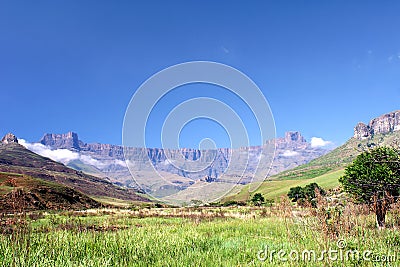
[[68, 141], [361, 131], [294, 137], [9, 138], [387, 123]]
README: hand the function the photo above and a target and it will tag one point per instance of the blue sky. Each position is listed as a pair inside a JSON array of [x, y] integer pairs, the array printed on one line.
[[74, 65]]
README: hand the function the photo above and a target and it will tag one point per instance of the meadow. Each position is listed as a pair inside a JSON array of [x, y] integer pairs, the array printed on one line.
[[201, 236]]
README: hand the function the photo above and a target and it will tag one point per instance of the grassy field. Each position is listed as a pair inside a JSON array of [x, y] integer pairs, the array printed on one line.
[[276, 188], [235, 236]]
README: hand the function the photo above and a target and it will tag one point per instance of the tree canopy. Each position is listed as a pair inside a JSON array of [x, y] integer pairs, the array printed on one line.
[[374, 178], [258, 199], [300, 194]]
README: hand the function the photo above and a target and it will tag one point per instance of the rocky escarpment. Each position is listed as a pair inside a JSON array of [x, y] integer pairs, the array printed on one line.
[[71, 141], [384, 124], [292, 140], [63, 141], [180, 168], [291, 150]]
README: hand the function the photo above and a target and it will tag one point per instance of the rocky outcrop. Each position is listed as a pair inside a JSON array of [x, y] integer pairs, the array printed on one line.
[[294, 137], [9, 138], [62, 141], [292, 141], [71, 141], [361, 131], [384, 124]]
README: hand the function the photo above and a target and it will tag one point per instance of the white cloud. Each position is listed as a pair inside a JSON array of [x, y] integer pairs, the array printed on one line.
[[91, 161], [319, 142], [60, 155], [65, 156], [289, 153]]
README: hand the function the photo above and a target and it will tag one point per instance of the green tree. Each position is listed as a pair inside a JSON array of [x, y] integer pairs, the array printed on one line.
[[296, 193], [300, 194], [258, 199], [309, 190], [374, 178]]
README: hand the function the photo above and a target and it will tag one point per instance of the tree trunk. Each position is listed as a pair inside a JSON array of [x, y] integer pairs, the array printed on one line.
[[380, 220], [380, 211]]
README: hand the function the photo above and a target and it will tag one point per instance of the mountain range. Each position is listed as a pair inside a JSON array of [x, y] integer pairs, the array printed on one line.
[[147, 164], [39, 182]]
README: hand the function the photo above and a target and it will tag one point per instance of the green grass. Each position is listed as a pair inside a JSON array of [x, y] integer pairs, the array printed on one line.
[[117, 202], [276, 188], [67, 240]]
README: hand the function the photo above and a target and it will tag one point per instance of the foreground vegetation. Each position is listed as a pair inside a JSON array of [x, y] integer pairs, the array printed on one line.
[[208, 236]]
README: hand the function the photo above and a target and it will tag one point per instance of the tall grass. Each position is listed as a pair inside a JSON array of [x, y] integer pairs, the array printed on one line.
[[189, 236]]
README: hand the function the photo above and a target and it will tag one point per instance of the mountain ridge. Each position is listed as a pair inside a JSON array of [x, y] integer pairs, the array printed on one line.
[[386, 123], [302, 152], [146, 164]]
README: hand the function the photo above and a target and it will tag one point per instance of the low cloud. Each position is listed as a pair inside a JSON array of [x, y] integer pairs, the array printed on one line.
[[60, 155], [319, 142], [65, 156], [290, 153]]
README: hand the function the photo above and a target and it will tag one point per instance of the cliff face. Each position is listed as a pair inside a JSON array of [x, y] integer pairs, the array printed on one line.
[[384, 124], [292, 141], [291, 151], [71, 141], [294, 137], [62, 141]]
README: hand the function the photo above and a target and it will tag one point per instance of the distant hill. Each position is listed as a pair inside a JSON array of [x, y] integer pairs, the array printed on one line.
[[52, 184], [325, 170]]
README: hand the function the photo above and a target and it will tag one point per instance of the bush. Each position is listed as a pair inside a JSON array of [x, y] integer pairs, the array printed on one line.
[[303, 194], [257, 199]]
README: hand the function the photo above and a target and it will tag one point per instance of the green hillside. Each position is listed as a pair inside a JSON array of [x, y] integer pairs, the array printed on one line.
[[324, 170], [49, 183], [23, 192], [272, 189], [336, 159]]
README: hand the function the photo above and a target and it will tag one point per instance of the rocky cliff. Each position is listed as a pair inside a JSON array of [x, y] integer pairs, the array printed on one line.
[[62, 141], [71, 141], [291, 150], [384, 124]]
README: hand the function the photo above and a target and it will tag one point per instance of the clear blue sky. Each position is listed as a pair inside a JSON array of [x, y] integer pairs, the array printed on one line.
[[74, 65]]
